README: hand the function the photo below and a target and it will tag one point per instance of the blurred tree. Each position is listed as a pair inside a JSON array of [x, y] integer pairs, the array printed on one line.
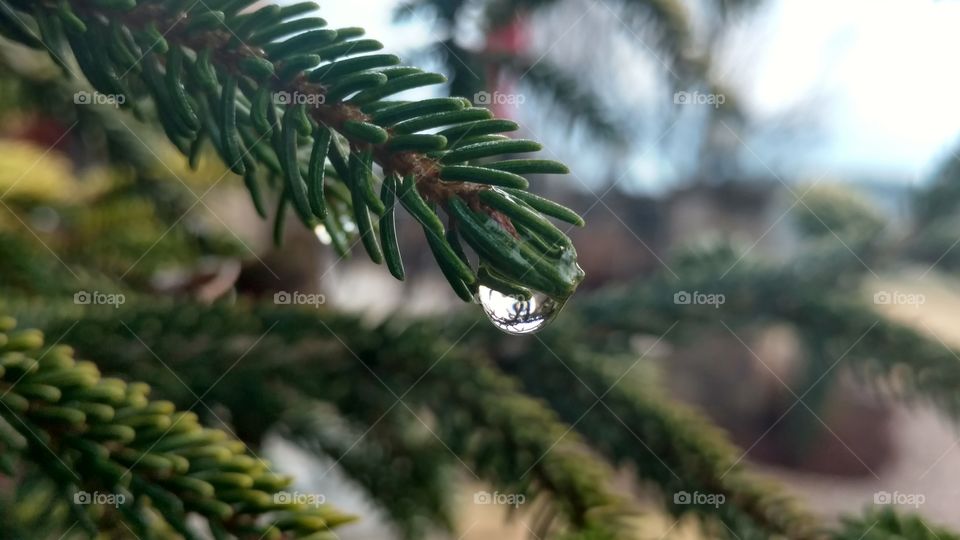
[[570, 82]]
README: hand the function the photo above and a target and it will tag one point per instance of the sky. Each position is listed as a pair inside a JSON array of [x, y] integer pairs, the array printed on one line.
[[881, 75], [883, 70], [377, 17]]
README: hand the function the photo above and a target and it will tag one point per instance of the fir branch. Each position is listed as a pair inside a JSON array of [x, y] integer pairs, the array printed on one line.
[[402, 468], [670, 445], [88, 432], [753, 291], [242, 78], [503, 436], [542, 453], [822, 296], [678, 438]]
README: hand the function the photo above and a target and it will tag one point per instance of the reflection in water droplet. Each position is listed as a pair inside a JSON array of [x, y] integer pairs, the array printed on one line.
[[516, 315], [322, 234]]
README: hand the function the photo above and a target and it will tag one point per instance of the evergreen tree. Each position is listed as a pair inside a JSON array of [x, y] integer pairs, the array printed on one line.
[[302, 116]]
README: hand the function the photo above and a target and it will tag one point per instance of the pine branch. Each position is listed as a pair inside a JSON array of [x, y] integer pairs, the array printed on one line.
[[670, 445], [812, 293], [403, 469], [219, 72], [88, 432], [528, 448], [900, 360], [505, 437], [502, 435], [753, 291], [678, 439]]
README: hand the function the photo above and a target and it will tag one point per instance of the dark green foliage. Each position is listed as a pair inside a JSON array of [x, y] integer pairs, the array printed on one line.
[[423, 409], [412, 484], [463, 399], [399, 376], [671, 446], [388, 226], [208, 83]]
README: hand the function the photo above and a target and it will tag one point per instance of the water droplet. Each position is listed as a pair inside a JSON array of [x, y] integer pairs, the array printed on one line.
[[322, 234], [517, 315]]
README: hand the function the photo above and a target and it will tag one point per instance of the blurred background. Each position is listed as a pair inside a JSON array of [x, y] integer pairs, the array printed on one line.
[[816, 139]]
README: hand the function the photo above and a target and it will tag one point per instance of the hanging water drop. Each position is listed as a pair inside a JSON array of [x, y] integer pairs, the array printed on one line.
[[322, 234], [518, 315]]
